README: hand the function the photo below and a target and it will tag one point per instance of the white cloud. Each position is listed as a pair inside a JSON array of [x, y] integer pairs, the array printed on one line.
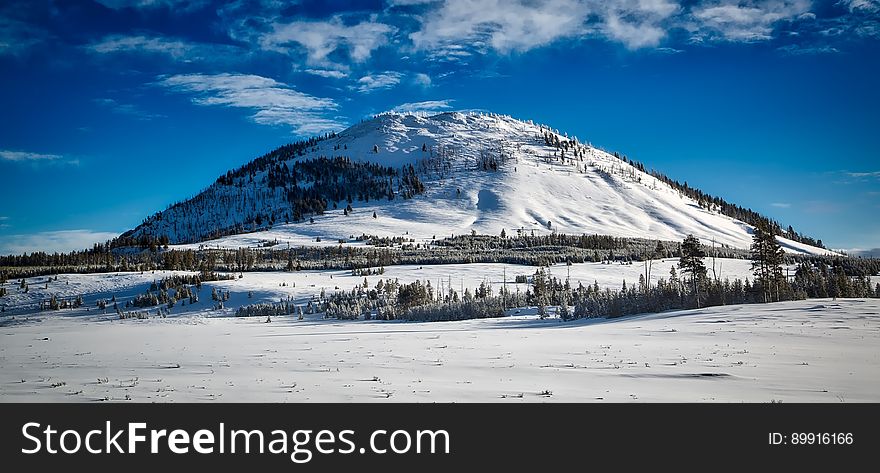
[[273, 103], [61, 241], [452, 29], [422, 79], [796, 50], [25, 156], [864, 175], [176, 49], [638, 23], [329, 73], [427, 106], [384, 80], [173, 48], [781, 205], [37, 159], [863, 5], [320, 39], [501, 25], [744, 21]]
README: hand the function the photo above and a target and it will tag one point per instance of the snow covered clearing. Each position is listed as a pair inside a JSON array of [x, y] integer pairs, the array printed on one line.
[[816, 350], [806, 351]]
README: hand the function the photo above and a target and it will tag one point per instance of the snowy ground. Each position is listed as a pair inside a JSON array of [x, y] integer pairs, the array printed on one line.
[[808, 351], [801, 351]]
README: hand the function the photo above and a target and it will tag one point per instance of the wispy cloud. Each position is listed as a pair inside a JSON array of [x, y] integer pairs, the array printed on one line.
[[864, 175], [798, 50], [427, 106], [320, 39], [373, 82], [499, 25], [60, 241], [781, 205], [26, 156], [852, 177], [127, 109], [175, 49], [863, 5], [637, 23], [37, 159], [273, 103], [331, 73], [743, 21], [453, 29], [422, 79]]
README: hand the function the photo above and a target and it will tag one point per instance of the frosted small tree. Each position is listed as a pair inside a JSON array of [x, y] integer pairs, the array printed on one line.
[[564, 313]]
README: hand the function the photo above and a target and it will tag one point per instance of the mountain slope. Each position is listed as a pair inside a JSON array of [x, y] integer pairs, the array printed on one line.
[[481, 173]]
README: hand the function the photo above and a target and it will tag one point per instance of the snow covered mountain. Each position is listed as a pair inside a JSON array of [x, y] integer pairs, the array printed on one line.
[[433, 176]]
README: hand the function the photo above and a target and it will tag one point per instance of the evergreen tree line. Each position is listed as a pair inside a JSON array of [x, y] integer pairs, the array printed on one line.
[[688, 287], [179, 287], [277, 309], [527, 250]]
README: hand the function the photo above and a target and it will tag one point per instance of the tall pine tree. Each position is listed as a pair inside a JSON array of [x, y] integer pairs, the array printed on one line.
[[691, 262], [767, 257]]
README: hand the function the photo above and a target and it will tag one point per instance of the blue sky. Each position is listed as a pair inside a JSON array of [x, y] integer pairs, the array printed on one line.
[[114, 109]]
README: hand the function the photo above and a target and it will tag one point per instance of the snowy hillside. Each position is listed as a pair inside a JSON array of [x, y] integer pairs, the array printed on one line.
[[483, 173]]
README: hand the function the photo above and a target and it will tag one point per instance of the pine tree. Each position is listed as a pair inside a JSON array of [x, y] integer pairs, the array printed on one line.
[[767, 257], [691, 262]]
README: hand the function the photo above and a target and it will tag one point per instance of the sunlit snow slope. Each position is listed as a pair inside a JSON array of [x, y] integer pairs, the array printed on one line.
[[533, 189]]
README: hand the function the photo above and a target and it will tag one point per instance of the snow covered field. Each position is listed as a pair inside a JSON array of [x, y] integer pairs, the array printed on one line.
[[811, 351], [815, 351]]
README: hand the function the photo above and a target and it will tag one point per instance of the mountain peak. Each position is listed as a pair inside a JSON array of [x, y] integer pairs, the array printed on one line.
[[422, 176]]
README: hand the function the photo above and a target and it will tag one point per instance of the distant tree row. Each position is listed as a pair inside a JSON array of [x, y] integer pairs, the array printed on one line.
[[540, 250]]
